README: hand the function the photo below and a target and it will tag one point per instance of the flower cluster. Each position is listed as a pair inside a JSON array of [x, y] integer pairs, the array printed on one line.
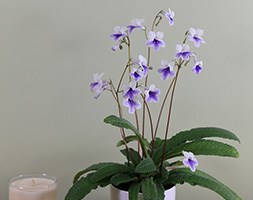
[[137, 89]]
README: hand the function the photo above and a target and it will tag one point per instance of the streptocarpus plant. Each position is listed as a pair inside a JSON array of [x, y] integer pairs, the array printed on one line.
[[154, 165]]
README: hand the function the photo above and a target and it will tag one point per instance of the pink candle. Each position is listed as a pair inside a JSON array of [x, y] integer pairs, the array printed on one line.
[[33, 187]]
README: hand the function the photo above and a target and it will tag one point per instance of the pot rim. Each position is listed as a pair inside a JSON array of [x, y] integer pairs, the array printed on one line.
[[124, 190]]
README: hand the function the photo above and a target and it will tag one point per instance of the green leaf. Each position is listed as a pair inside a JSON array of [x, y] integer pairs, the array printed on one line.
[[133, 155], [199, 133], [123, 123], [162, 176], [160, 191], [109, 170], [81, 188], [149, 189], [158, 143], [132, 138], [198, 147], [91, 168], [146, 166], [134, 190], [205, 147], [195, 134], [122, 178], [105, 182], [181, 175]]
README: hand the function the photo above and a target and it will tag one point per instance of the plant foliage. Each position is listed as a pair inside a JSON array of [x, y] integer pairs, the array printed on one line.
[[146, 175]]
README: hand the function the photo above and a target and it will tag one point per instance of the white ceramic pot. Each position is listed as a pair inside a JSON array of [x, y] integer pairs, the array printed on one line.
[[117, 194]]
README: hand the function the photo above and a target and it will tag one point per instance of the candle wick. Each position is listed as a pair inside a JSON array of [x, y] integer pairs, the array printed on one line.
[[33, 182]]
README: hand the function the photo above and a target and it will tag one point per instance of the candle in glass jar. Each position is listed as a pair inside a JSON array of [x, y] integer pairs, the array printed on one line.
[[33, 187]]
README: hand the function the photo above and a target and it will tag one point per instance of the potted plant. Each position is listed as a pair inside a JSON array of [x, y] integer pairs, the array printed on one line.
[[156, 165]]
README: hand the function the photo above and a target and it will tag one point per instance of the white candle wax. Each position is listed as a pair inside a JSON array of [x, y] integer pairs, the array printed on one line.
[[33, 187]]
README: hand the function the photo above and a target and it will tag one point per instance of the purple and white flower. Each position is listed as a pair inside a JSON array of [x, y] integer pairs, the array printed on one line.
[[166, 69], [115, 47], [98, 85], [190, 161], [143, 64], [136, 24], [133, 104], [119, 32], [195, 36], [169, 14], [183, 51], [137, 74], [155, 40], [130, 90], [152, 94], [197, 67]]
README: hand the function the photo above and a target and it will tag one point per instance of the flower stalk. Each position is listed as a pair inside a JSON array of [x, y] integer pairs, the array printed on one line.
[[169, 114]]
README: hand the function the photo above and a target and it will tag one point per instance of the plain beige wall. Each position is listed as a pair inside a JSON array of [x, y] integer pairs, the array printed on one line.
[[49, 50]]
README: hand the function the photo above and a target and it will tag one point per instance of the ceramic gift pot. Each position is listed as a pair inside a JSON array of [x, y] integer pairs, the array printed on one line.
[[117, 194]]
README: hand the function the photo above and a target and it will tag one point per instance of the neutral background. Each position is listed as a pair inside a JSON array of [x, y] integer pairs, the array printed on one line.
[[49, 50]]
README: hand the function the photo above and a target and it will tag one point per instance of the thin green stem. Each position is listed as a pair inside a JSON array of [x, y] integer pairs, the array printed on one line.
[[129, 54], [146, 79], [122, 131], [122, 75], [130, 79], [169, 114], [162, 106], [150, 118], [113, 91], [160, 113], [138, 128], [157, 20]]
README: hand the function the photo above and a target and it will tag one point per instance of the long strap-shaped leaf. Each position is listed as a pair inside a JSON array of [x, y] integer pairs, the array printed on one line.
[[93, 167], [149, 189], [81, 188], [131, 138], [199, 133], [146, 166], [109, 170], [135, 157], [134, 190], [199, 147], [206, 147], [179, 176], [152, 188], [122, 178], [123, 123]]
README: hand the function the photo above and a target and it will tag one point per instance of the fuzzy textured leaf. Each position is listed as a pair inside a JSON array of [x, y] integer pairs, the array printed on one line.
[[199, 133], [133, 155], [181, 175], [134, 190], [206, 147], [104, 182], [109, 170], [146, 166], [123, 123], [122, 178], [198, 147], [131, 138], [160, 191], [91, 168], [81, 188], [149, 190]]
